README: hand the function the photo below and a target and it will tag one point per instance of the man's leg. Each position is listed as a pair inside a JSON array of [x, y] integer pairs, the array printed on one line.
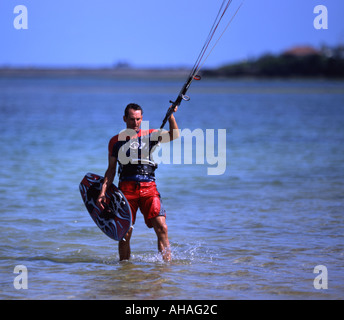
[[129, 189], [160, 227], [124, 246]]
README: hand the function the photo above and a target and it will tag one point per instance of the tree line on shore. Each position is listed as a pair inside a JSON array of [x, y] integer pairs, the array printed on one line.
[[327, 62]]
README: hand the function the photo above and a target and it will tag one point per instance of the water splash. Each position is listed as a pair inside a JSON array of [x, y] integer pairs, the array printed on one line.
[[182, 253]]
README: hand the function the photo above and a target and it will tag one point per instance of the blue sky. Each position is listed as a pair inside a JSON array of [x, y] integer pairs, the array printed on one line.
[[157, 33]]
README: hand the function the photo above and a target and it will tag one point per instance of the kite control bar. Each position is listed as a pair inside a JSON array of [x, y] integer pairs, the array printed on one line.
[[181, 96]]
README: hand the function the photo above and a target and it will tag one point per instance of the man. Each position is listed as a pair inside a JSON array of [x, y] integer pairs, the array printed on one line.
[[132, 150]]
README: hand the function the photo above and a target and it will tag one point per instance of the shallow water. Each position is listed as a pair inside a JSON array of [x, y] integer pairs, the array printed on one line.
[[255, 232]]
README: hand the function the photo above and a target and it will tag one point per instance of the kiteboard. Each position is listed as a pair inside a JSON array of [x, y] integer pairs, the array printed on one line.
[[116, 220]]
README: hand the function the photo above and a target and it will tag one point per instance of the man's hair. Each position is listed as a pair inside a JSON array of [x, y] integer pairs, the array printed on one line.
[[133, 106]]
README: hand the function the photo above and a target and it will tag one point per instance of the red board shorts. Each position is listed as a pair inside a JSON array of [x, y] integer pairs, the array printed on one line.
[[143, 196]]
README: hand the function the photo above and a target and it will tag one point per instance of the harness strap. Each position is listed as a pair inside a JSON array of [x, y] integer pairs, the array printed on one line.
[[134, 169]]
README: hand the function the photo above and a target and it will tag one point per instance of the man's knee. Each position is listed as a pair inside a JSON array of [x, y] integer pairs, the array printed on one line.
[[160, 226], [163, 228], [125, 241]]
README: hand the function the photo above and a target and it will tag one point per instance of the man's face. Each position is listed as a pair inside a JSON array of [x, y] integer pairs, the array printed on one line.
[[133, 120]]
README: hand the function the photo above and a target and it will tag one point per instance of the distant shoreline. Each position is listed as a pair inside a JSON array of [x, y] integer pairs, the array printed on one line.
[[297, 62], [101, 72], [177, 73]]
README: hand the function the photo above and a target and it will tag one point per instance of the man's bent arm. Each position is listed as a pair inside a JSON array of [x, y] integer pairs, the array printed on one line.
[[174, 130], [173, 133]]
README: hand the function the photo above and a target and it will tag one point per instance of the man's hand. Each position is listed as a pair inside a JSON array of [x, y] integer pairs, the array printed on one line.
[[175, 108], [100, 202]]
